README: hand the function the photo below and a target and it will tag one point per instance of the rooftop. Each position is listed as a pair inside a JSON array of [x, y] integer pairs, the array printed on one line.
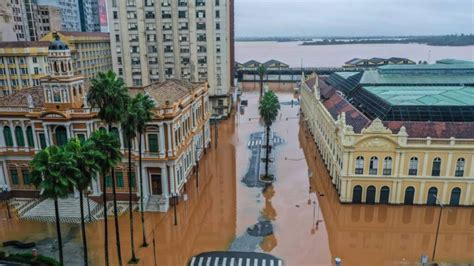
[[169, 91], [424, 95], [20, 98], [24, 44]]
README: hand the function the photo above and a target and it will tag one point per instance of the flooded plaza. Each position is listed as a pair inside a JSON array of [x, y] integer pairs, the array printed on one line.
[[310, 226]]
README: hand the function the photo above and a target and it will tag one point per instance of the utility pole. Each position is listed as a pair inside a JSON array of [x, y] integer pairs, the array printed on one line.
[[215, 133], [437, 227]]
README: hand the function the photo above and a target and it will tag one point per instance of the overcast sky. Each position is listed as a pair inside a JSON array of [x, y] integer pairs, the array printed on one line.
[[352, 17]]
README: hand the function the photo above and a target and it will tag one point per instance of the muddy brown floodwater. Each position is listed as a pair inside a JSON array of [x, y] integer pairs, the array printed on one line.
[[223, 207]]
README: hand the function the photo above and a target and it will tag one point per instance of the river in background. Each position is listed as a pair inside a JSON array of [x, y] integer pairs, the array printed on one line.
[[293, 53]]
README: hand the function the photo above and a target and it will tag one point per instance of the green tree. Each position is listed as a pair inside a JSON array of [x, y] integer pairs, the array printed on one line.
[[268, 109], [145, 116], [129, 129], [109, 94], [52, 172], [261, 70], [87, 159]]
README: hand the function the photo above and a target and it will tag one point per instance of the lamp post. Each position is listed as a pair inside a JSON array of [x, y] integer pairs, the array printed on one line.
[[88, 192], [6, 196], [437, 227], [175, 202]]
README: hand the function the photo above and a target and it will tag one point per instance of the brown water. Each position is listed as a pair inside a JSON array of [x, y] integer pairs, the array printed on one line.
[[223, 207], [335, 55]]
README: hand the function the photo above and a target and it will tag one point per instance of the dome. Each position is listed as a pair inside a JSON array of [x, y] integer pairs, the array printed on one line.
[[57, 44]]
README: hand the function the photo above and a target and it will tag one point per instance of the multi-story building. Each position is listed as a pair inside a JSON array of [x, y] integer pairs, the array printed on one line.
[[69, 13], [49, 20], [89, 14], [7, 24], [20, 19], [186, 39], [397, 134], [22, 65], [91, 51], [49, 114]]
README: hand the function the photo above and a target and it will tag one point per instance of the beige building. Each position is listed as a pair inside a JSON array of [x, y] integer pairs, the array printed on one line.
[[49, 20], [190, 40], [22, 65], [386, 161]]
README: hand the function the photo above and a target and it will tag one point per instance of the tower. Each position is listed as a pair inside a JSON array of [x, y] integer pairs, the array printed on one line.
[[62, 88]]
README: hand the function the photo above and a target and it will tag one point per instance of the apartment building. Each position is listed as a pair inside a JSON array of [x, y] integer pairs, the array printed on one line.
[[50, 114], [398, 134], [69, 9], [7, 34], [89, 15], [192, 40]]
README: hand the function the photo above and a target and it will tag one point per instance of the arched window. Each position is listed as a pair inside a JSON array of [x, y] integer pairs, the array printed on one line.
[[80, 89], [455, 197], [115, 132], [357, 194], [57, 96], [63, 67], [370, 195], [20, 139], [409, 195], [102, 129], [61, 135], [387, 166], [374, 165], [413, 167], [460, 167], [56, 67], [432, 196], [29, 136], [436, 169], [384, 195], [7, 134], [359, 169]]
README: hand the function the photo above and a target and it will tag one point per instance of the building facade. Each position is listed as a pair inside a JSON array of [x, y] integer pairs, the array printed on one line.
[[91, 51], [190, 40], [69, 10], [22, 65], [404, 161], [55, 111], [49, 20], [89, 15]]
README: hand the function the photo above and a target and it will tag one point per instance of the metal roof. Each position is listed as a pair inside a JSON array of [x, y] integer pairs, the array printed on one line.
[[425, 95]]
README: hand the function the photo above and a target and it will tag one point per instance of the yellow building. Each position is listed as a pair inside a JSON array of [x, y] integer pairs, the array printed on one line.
[[91, 52], [50, 114], [22, 65], [404, 161]]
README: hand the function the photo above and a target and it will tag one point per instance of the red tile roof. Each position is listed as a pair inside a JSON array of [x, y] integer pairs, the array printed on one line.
[[19, 98], [336, 104], [462, 130], [86, 34]]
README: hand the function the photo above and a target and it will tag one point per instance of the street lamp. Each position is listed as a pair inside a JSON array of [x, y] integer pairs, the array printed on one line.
[[338, 261], [5, 195], [437, 227], [175, 202], [88, 192]]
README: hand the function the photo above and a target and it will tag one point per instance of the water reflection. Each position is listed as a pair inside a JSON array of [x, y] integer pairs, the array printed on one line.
[[386, 234]]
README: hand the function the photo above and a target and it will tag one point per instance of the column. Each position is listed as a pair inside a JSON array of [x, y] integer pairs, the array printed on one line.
[[35, 140], [68, 131], [25, 137], [399, 192], [343, 190], [448, 171], [122, 141], [95, 185], [467, 198], [401, 164], [444, 195], [46, 135], [170, 139], [162, 140], [171, 177], [471, 170], [12, 130], [2, 138], [425, 163], [348, 195], [350, 170], [394, 192], [164, 182], [3, 178], [421, 192]]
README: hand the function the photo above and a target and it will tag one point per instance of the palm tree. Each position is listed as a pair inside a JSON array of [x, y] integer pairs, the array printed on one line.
[[129, 127], [52, 172], [108, 145], [268, 108], [86, 158], [261, 70], [109, 94], [145, 116]]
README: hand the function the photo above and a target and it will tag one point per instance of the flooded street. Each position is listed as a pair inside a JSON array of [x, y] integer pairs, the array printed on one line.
[[310, 226]]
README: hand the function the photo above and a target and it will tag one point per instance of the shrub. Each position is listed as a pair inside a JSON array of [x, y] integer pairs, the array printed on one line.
[[28, 258]]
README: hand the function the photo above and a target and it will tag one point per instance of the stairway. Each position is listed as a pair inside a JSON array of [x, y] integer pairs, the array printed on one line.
[[157, 203]]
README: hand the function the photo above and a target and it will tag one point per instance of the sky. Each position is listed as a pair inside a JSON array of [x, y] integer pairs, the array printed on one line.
[[265, 18]]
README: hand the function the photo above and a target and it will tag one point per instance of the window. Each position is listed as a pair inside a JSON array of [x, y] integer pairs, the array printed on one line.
[[455, 197], [132, 179], [436, 169], [153, 142], [115, 14], [108, 181], [29, 136], [432, 196], [370, 195], [14, 176], [384, 195], [26, 176], [387, 166], [20, 139], [373, 166], [357, 194], [119, 179], [61, 135], [460, 167], [218, 14], [409, 195], [81, 137], [7, 134], [413, 167], [218, 26], [359, 169], [181, 14], [42, 139]]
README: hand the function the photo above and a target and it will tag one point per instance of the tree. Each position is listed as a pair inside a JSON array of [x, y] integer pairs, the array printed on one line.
[[107, 144], [268, 109], [129, 129], [145, 116], [52, 172], [109, 94], [261, 73], [86, 157]]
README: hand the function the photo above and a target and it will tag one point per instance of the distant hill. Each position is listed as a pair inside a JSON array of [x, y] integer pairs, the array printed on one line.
[[447, 40]]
